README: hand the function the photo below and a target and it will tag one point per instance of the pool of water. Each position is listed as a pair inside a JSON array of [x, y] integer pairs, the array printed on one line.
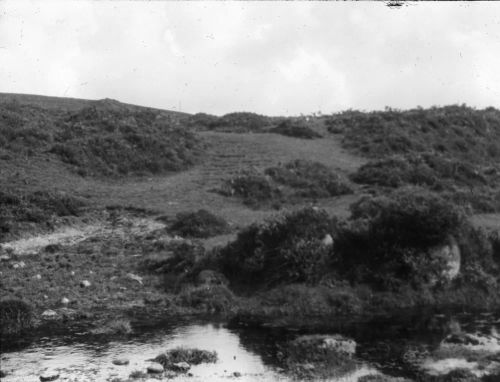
[[249, 354]]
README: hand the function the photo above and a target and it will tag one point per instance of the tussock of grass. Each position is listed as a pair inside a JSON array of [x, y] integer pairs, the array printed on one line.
[[190, 355], [213, 299]]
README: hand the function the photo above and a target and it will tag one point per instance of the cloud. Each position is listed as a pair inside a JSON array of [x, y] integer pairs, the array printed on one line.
[[267, 57]]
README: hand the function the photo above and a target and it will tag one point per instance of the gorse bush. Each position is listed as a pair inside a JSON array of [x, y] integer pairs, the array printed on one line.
[[200, 224], [241, 122], [309, 179], [295, 128], [283, 250], [37, 206], [387, 240], [254, 189]]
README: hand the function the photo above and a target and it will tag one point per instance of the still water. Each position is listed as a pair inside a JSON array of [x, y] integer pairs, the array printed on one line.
[[383, 345]]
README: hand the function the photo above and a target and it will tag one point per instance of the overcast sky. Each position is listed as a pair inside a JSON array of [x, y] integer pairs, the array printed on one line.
[[268, 57]]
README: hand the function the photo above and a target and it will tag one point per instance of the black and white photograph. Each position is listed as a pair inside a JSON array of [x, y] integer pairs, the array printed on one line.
[[249, 191]]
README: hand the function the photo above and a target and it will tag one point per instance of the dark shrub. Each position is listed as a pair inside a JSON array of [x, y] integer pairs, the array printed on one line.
[[208, 299], [286, 249], [202, 121], [387, 239], [241, 122], [295, 128], [255, 190], [16, 316], [309, 179], [200, 224]]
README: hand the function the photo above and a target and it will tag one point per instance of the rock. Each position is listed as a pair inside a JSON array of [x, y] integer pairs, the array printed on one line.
[[120, 361], [37, 277], [3, 374], [181, 367], [327, 241], [135, 277], [49, 376], [4, 258], [19, 265], [49, 314], [210, 277], [72, 273], [236, 374], [334, 342], [85, 283], [64, 301], [154, 368]]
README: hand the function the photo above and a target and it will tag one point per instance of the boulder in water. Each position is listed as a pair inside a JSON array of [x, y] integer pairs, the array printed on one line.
[[49, 314], [181, 367], [49, 376], [120, 361], [155, 368]]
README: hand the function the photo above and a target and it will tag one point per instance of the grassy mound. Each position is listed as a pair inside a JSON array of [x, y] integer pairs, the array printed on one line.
[[295, 128], [98, 142], [16, 316], [104, 139], [200, 224], [458, 131]]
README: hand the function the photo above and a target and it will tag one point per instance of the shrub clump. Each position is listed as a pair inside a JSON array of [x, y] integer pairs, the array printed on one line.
[[117, 326], [387, 240], [254, 189], [241, 122], [189, 355], [309, 179], [199, 224], [284, 250], [16, 316], [295, 128]]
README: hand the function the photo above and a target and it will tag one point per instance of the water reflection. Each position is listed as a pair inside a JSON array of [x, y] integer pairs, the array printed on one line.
[[382, 344]]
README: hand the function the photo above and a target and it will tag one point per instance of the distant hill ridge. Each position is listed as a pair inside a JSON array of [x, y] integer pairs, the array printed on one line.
[[74, 104]]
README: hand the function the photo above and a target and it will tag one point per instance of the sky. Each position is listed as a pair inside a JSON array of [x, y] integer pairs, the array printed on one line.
[[275, 58]]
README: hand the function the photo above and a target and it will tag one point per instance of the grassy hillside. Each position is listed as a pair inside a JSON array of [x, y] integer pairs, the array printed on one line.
[[454, 150]]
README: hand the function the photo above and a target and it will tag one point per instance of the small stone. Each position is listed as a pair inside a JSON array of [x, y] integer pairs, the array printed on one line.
[[236, 374], [3, 374], [181, 367], [85, 283], [49, 376], [120, 361], [49, 313], [37, 277], [45, 296], [72, 273], [64, 301], [327, 240], [154, 368]]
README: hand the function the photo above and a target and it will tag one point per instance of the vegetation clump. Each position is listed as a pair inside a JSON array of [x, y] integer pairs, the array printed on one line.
[[37, 206], [296, 128], [211, 299], [199, 224], [309, 179], [286, 250], [119, 326], [254, 189], [241, 122], [190, 355], [16, 316]]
